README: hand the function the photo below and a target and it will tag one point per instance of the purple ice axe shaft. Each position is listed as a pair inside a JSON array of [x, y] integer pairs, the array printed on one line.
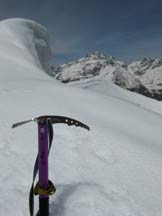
[[43, 167]]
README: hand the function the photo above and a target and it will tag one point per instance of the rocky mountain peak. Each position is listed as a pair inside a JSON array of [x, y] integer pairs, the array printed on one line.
[[98, 56], [144, 77]]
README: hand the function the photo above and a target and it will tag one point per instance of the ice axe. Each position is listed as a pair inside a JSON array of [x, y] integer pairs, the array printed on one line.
[[44, 188]]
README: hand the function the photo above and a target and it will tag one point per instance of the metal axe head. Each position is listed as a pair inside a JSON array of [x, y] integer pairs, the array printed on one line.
[[53, 120]]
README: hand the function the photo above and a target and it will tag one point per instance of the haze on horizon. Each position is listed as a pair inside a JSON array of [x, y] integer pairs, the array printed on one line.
[[127, 30]]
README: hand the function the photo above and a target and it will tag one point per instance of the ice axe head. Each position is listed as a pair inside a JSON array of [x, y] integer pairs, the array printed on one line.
[[53, 120]]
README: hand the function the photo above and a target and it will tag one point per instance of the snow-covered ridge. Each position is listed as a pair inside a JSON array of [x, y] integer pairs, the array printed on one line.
[[28, 40], [144, 77]]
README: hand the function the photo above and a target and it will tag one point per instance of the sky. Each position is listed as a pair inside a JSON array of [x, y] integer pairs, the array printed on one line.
[[125, 29]]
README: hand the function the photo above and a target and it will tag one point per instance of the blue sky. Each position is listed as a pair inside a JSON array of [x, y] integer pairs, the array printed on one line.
[[128, 30]]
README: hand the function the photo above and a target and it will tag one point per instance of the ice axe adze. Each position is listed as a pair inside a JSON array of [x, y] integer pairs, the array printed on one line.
[[44, 188]]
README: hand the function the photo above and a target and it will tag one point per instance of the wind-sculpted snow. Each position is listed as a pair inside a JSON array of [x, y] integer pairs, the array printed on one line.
[[114, 169], [23, 43]]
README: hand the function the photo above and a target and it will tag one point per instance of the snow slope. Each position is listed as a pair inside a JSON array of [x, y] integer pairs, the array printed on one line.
[[115, 169]]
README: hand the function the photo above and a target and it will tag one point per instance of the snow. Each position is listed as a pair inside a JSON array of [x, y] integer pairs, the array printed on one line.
[[153, 79], [115, 169], [109, 89], [149, 72]]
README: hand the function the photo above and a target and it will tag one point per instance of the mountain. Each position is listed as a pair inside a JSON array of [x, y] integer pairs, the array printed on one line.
[[149, 72], [115, 169], [144, 77]]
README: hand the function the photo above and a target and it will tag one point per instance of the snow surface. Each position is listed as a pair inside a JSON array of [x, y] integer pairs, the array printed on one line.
[[115, 169]]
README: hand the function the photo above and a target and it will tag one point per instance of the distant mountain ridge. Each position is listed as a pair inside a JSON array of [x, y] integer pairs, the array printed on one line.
[[144, 77]]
